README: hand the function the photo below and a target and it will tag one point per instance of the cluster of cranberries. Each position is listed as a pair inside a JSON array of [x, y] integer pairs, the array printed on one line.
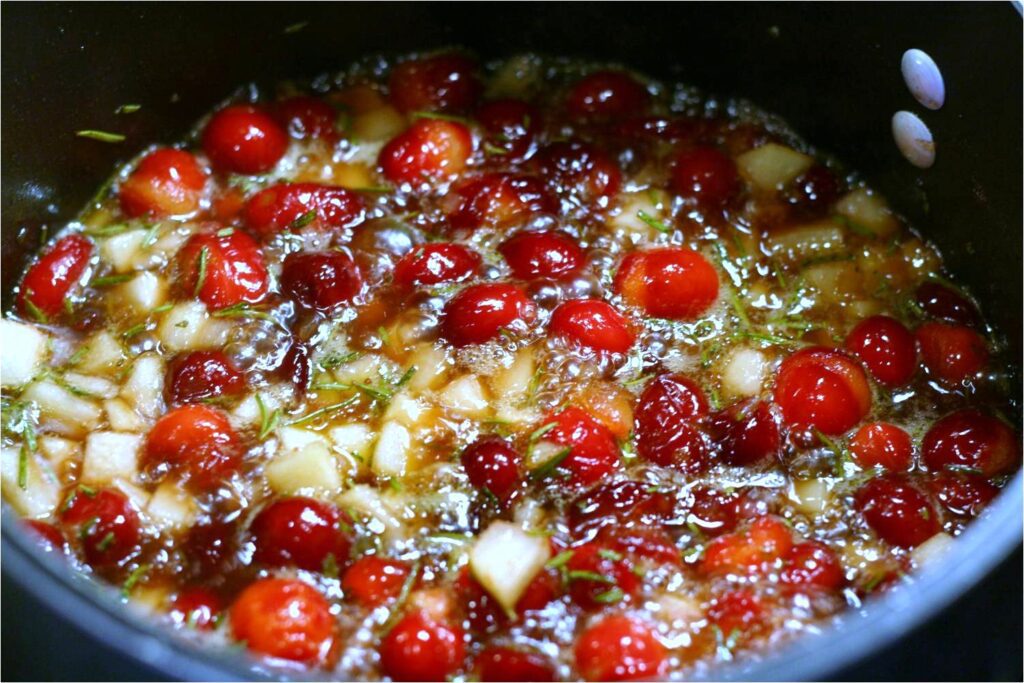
[[818, 391]]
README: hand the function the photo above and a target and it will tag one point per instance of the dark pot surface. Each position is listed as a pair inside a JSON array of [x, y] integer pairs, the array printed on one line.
[[832, 71]]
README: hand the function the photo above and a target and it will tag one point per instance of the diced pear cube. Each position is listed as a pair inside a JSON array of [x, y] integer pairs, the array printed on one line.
[[120, 250], [122, 417], [431, 365], [171, 507], [931, 550], [56, 402], [296, 438], [95, 387], [103, 353], [145, 386], [352, 438], [145, 291], [312, 468], [391, 454], [770, 167], [58, 450], [24, 352], [110, 455], [505, 559], [465, 396], [744, 372], [811, 496], [182, 327], [40, 494], [513, 383], [869, 211]]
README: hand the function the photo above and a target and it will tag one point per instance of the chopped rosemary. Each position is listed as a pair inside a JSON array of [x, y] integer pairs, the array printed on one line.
[[303, 220], [331, 362], [134, 330], [403, 597], [654, 222], [296, 27], [494, 149], [584, 575], [225, 232], [610, 597], [330, 566], [416, 115], [549, 467], [128, 109], [559, 560], [106, 541], [204, 256], [609, 554], [108, 280], [837, 449], [100, 135], [268, 421], [34, 310], [151, 235], [324, 411], [107, 230], [23, 467], [137, 574]]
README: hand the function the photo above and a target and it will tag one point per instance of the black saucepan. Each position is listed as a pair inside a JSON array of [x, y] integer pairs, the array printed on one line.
[[831, 70]]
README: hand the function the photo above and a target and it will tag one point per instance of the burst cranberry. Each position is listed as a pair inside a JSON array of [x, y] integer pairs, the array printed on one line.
[[108, 526], [663, 421], [886, 348], [434, 264], [766, 541], [972, 441], [706, 175], [939, 301], [485, 615], [952, 353], [821, 388], [509, 125], [593, 324], [196, 608], [198, 375], [880, 444], [812, 565], [606, 96], [498, 200], [244, 139], [649, 543], [745, 433], [295, 365], [222, 269], [284, 618], [817, 188], [623, 503], [479, 313], [737, 611], [962, 494], [506, 664], [195, 441], [427, 150], [579, 169], [670, 282], [542, 254], [211, 548], [300, 532], [307, 117], [49, 537], [619, 648], [444, 82], [419, 648], [594, 451], [492, 464], [279, 206], [47, 283], [898, 512], [373, 580], [714, 512], [599, 576], [320, 281], [167, 182]]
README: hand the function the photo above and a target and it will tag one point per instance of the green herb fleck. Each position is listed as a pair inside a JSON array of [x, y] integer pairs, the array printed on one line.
[[296, 27], [549, 467], [610, 597], [128, 109], [108, 280], [560, 560], [137, 574], [33, 310], [268, 419], [494, 150], [100, 135], [441, 117], [330, 566], [204, 256], [654, 222], [303, 220]]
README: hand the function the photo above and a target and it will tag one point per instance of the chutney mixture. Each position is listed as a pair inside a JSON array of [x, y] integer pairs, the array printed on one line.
[[534, 370]]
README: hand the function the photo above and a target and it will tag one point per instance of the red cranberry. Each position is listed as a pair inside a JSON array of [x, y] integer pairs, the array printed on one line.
[[668, 282], [300, 532], [295, 365], [498, 200], [494, 465], [222, 270], [307, 117], [244, 139], [419, 648], [620, 648], [196, 441], [198, 375], [47, 283], [506, 664], [817, 188], [737, 611], [714, 512], [897, 511], [108, 526], [664, 415], [812, 565], [434, 264], [321, 281], [649, 543], [880, 444], [167, 182], [766, 541], [972, 441], [962, 494], [745, 433], [594, 325], [373, 581], [542, 254], [952, 353], [821, 388], [886, 348], [623, 503], [595, 452], [479, 313], [49, 537], [285, 619], [211, 548], [706, 175], [579, 169], [939, 301], [280, 206], [428, 150], [445, 82], [196, 608], [509, 125], [606, 96], [595, 573]]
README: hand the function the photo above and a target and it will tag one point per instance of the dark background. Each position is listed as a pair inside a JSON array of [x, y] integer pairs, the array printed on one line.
[[831, 70]]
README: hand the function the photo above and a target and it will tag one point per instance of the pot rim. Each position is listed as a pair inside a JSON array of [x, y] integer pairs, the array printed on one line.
[[850, 636]]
